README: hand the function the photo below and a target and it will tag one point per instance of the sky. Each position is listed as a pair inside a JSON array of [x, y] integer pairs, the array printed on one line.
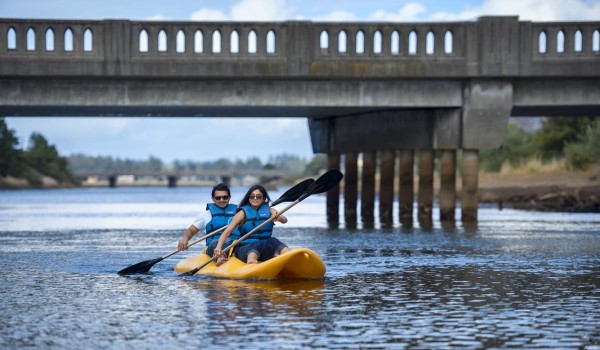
[[203, 139]]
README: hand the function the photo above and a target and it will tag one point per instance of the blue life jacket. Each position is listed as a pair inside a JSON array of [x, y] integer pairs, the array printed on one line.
[[220, 217], [253, 219]]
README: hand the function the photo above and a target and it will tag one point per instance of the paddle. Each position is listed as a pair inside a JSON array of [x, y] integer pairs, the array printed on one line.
[[290, 195], [145, 266], [323, 184]]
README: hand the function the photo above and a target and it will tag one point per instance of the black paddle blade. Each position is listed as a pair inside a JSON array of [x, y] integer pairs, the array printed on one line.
[[324, 183], [328, 180], [294, 193], [140, 267]]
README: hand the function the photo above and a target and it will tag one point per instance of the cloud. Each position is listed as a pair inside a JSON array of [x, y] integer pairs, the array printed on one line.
[[262, 10], [208, 15], [409, 13], [338, 16], [534, 10]]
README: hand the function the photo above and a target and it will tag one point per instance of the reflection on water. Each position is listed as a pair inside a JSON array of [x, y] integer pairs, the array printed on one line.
[[519, 280]]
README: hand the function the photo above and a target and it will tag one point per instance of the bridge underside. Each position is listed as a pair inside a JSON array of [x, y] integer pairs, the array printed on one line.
[[280, 98]]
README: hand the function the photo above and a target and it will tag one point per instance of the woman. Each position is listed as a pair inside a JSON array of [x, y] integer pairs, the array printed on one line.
[[253, 211]]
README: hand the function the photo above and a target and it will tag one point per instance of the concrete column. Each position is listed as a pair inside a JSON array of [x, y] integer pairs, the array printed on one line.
[[386, 188], [333, 195], [470, 183], [406, 192], [350, 189], [447, 196], [172, 181], [425, 187], [112, 181], [367, 193]]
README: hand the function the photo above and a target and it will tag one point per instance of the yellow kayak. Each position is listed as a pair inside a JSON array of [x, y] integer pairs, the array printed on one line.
[[297, 263]]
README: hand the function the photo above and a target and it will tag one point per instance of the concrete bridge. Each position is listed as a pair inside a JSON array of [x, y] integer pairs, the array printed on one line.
[[373, 93], [173, 177]]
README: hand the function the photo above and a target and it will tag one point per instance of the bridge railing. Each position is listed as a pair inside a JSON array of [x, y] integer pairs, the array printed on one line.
[[490, 46]]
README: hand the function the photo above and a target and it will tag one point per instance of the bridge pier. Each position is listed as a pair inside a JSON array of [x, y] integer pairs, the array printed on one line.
[[425, 195], [470, 183], [112, 181], [172, 181], [447, 194], [386, 188], [367, 193], [350, 189], [333, 195], [406, 192]]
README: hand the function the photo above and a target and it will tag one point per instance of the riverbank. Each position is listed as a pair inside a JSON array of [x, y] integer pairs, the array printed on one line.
[[560, 191]]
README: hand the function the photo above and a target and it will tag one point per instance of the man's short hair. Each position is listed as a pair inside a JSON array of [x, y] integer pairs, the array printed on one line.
[[221, 187]]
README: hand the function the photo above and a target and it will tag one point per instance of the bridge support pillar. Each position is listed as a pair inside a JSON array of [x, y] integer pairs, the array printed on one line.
[[470, 182], [367, 193], [112, 181], [333, 195], [172, 181], [426, 188], [226, 180], [447, 195], [350, 189], [406, 191], [386, 188]]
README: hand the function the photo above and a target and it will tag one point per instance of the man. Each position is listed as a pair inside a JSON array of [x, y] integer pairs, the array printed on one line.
[[217, 215]]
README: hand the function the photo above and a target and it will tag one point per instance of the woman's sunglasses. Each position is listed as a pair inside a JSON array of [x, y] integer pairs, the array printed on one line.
[[218, 198], [256, 196]]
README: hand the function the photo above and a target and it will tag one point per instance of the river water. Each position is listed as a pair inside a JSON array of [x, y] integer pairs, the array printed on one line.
[[518, 280]]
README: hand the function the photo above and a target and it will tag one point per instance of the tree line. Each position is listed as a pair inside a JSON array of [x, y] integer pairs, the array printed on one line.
[[39, 159], [574, 139]]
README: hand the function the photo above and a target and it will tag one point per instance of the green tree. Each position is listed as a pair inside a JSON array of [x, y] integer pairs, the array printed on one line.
[[316, 165], [586, 150], [44, 158], [10, 156], [518, 147], [557, 132]]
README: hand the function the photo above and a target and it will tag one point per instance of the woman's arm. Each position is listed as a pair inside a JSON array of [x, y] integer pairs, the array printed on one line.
[[281, 218], [235, 221]]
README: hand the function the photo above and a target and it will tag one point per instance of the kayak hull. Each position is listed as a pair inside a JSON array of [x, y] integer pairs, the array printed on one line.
[[297, 263]]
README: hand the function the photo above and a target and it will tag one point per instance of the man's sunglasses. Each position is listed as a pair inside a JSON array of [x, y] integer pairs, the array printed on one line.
[[218, 198]]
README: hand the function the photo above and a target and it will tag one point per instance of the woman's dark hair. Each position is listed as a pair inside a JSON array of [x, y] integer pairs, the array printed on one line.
[[246, 200], [220, 187]]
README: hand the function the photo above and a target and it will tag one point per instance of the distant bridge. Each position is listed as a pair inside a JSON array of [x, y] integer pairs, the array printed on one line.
[[172, 177], [381, 91]]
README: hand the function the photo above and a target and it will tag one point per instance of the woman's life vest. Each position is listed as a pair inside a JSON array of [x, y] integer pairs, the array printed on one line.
[[253, 219], [220, 217]]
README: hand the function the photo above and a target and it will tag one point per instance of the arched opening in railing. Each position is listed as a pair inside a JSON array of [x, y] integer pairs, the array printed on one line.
[[448, 43], [162, 41], [412, 43], [88, 40], [560, 42], [360, 43], [234, 42], [542, 42], [30, 39], [342, 42], [578, 41], [68, 40], [596, 41], [49, 39], [395, 43], [252, 42], [216, 41], [430, 43], [198, 41], [377, 42], [143, 41], [11, 39], [180, 41], [271, 42], [324, 40]]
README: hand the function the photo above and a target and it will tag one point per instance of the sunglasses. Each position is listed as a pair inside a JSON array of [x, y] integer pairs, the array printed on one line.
[[221, 197], [257, 196]]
